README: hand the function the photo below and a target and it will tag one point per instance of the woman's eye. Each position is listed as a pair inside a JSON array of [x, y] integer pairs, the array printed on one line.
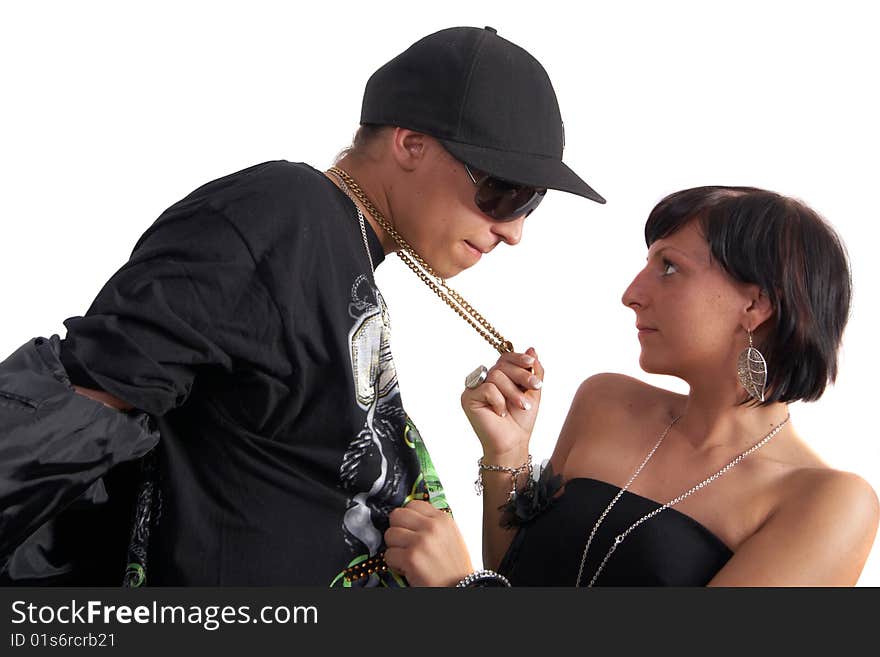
[[668, 268]]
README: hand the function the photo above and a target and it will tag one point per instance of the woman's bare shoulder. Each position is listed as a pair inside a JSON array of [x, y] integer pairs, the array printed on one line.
[[824, 488], [820, 534], [607, 404], [834, 501], [612, 394]]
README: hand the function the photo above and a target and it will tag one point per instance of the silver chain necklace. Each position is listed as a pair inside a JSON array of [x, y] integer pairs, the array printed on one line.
[[385, 319], [362, 222], [620, 537]]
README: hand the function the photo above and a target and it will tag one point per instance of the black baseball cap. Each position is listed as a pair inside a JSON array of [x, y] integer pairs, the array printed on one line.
[[488, 101]]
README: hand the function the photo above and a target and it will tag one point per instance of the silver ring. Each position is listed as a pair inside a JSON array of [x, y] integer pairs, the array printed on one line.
[[475, 378]]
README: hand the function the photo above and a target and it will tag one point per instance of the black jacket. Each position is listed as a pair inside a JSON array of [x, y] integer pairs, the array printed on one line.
[[69, 475]]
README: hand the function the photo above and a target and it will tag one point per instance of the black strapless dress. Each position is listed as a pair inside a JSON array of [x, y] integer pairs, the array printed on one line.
[[670, 549]]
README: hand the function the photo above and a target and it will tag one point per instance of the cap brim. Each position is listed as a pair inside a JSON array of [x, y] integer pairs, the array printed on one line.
[[523, 168]]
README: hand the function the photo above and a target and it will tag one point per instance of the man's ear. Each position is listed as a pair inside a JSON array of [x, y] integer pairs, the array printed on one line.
[[408, 148]]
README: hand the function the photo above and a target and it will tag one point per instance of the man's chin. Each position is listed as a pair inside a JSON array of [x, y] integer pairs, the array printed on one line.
[[452, 271], [451, 267]]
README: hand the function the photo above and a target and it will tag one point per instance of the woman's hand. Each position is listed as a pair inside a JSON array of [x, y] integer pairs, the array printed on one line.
[[503, 409], [425, 546]]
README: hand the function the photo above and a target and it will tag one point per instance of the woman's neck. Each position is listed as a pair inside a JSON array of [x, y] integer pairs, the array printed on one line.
[[715, 417]]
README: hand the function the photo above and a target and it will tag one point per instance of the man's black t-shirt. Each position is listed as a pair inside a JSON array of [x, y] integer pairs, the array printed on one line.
[[248, 322]]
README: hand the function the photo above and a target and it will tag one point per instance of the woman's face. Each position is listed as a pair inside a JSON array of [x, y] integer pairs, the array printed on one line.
[[690, 313]]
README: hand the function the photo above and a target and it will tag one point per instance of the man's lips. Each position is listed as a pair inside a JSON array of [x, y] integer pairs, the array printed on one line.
[[645, 330], [476, 249]]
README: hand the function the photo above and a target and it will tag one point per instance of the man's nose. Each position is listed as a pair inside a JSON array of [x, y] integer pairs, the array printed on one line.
[[510, 231]]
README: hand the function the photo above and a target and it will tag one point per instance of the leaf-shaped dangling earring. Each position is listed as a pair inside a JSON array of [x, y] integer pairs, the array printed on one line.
[[752, 370]]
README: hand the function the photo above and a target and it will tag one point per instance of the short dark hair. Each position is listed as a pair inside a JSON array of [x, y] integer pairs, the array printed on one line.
[[786, 248], [366, 134]]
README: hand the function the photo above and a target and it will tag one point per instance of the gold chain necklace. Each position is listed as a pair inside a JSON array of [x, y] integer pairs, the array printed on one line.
[[424, 271]]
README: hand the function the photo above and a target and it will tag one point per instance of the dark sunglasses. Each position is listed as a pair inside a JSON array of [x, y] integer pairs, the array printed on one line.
[[502, 200]]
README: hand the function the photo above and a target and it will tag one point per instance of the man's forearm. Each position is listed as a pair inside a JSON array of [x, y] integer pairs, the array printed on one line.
[[103, 397]]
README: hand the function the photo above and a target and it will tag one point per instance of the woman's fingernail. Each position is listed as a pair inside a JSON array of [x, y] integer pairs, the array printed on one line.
[[526, 405], [528, 360], [535, 382]]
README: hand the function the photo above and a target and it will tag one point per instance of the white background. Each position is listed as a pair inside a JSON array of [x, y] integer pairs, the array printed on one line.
[[111, 112]]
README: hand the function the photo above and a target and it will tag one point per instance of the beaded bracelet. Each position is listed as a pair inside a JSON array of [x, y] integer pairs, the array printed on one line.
[[513, 472], [483, 578]]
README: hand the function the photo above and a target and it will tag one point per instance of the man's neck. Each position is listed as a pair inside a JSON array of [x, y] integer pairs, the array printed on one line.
[[369, 179]]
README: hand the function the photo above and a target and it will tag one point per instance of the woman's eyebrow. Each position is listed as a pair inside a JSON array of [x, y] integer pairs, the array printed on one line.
[[669, 247]]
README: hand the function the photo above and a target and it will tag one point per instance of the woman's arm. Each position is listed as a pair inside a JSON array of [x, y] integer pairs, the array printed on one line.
[[502, 413], [424, 544], [820, 535], [601, 391]]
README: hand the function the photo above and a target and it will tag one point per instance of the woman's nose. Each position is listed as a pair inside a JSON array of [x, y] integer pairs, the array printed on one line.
[[634, 295]]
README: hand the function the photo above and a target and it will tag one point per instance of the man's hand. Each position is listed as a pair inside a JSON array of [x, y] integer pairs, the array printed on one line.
[[425, 546]]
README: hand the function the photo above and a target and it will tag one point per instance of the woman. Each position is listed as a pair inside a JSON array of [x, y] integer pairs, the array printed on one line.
[[745, 296]]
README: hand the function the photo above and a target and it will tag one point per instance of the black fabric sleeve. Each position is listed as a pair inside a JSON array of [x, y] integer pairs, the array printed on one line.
[[189, 298], [54, 443]]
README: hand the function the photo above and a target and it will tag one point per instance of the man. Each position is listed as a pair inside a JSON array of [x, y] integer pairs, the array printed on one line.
[[247, 322]]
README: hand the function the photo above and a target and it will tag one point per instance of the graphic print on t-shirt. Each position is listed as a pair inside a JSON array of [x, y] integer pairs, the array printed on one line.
[[386, 464]]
